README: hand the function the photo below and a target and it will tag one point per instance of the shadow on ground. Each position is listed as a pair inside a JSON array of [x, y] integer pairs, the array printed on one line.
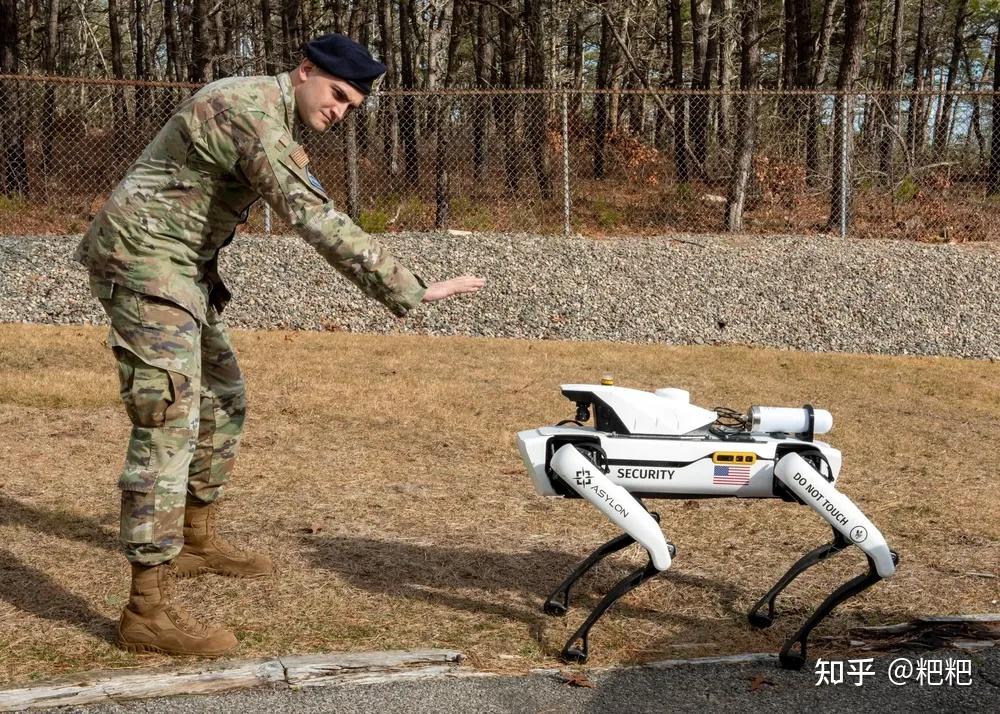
[[508, 585], [34, 592]]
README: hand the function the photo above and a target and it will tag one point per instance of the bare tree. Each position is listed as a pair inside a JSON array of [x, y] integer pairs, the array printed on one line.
[[700, 77], [915, 125], [482, 58], [504, 107], [49, 96], [390, 138], [267, 37], [680, 101], [536, 108], [117, 65], [993, 175], [200, 66], [841, 195], [942, 122], [605, 66], [407, 110], [747, 127], [442, 154], [891, 107], [14, 173]]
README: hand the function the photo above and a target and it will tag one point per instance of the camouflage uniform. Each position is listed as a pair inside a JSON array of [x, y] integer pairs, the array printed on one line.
[[152, 255]]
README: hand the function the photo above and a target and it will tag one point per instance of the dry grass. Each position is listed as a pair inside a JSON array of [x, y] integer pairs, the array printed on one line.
[[381, 474]]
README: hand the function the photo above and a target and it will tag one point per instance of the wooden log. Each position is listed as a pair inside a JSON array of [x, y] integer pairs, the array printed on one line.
[[296, 671], [92, 687]]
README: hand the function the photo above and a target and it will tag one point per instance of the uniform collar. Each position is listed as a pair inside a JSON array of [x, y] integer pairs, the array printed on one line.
[[288, 97]]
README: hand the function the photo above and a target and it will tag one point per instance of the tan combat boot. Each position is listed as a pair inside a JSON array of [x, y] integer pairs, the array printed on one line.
[[205, 551], [151, 623]]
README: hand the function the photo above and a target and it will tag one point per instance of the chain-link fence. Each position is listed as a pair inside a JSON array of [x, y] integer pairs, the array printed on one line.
[[876, 164]]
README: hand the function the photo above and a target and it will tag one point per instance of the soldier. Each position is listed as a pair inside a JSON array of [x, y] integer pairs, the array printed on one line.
[[152, 255]]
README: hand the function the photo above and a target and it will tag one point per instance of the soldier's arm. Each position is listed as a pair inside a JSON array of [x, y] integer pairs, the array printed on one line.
[[277, 168]]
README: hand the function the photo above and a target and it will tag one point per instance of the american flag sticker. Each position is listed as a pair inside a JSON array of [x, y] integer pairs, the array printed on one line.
[[731, 475]]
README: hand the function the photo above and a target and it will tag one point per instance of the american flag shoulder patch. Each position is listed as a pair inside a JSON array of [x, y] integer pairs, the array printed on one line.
[[298, 155], [731, 475]]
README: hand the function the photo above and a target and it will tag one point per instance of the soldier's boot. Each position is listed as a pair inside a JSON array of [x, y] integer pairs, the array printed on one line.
[[205, 551], [152, 623]]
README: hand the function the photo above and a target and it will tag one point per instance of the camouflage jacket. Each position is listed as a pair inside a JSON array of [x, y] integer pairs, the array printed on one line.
[[234, 141]]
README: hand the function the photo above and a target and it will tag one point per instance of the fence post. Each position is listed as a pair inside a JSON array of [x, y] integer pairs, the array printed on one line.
[[567, 228], [267, 219], [843, 166]]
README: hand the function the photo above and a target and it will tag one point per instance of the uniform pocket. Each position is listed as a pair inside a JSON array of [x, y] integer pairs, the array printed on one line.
[[148, 392], [138, 487]]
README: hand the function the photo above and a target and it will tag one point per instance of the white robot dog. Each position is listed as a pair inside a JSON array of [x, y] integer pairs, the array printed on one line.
[[658, 445]]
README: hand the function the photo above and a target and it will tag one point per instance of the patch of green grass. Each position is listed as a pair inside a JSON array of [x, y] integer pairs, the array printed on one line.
[[12, 205], [607, 215], [374, 221], [469, 215], [907, 190]]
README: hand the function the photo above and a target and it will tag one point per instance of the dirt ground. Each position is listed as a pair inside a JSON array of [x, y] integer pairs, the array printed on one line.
[[381, 474]]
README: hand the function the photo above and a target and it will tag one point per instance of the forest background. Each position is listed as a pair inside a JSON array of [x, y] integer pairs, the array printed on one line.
[[869, 117]]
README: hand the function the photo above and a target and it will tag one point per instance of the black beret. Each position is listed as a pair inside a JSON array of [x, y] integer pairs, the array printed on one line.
[[343, 57]]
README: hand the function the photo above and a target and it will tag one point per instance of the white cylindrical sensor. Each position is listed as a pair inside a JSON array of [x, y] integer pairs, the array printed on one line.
[[789, 420]]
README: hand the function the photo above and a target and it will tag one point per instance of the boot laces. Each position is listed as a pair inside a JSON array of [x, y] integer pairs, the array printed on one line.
[[220, 543], [180, 617], [185, 620]]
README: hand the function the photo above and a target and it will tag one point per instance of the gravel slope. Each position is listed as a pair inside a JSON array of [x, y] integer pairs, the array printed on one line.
[[813, 294]]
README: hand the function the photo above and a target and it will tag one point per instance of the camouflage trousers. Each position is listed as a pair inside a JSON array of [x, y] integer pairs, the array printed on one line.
[[184, 395]]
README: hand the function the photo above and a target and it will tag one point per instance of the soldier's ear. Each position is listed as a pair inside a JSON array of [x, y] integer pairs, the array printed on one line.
[[305, 69]]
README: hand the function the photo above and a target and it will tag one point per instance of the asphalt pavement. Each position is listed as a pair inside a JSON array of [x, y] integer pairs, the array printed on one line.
[[946, 681]]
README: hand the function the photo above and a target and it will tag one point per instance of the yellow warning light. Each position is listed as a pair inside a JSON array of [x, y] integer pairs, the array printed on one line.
[[608, 379]]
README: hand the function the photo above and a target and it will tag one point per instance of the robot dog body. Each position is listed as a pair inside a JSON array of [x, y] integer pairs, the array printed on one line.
[[657, 445]]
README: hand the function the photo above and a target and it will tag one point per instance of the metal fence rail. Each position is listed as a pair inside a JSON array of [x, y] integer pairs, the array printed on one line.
[[868, 164]]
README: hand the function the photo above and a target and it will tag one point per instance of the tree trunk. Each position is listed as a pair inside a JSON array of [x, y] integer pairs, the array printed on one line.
[[170, 40], [14, 173], [390, 123], [816, 78], [822, 54], [505, 105], [872, 107], [482, 60], [407, 111], [49, 97], [915, 127], [291, 32], [680, 101], [855, 12], [200, 68], [747, 128], [442, 158], [120, 108], [993, 175], [892, 102], [142, 105], [360, 27], [605, 62], [942, 122], [975, 121], [700, 18], [725, 73], [788, 46], [267, 37], [712, 57], [574, 57], [536, 109]]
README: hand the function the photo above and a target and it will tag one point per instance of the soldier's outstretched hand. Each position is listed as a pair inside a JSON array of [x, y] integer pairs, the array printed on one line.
[[455, 286]]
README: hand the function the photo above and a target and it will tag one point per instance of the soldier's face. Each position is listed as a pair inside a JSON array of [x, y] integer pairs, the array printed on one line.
[[322, 99]]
